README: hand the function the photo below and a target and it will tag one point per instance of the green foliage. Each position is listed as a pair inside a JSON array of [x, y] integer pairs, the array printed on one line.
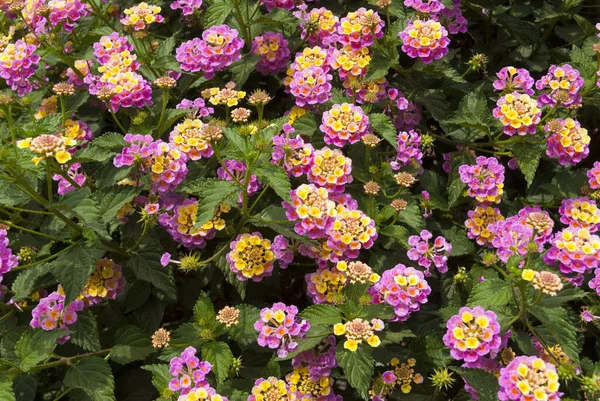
[[490, 294], [131, 344], [484, 383], [382, 125], [358, 368], [84, 332], [6, 388], [35, 346], [220, 356], [277, 178], [94, 377], [322, 314]]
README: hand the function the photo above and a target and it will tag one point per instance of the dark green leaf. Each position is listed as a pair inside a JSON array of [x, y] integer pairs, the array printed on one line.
[[556, 321], [220, 356], [94, 377], [383, 126], [112, 200], [277, 178], [241, 69], [491, 293], [131, 344], [484, 383], [146, 266], [391, 337], [244, 333], [322, 314], [84, 332], [160, 377], [27, 280], [204, 311], [358, 369], [73, 268], [35, 346], [211, 193], [528, 156], [379, 67], [25, 388], [306, 125], [217, 13]]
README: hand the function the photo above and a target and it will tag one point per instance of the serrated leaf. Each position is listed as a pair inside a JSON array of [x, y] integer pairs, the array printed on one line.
[[435, 103], [556, 321], [146, 266], [274, 217], [398, 233], [564, 296], [412, 217], [131, 344], [217, 13], [84, 332], [306, 125], [26, 281], [277, 179], [220, 356], [25, 388], [314, 336], [94, 377], [10, 195], [485, 384], [457, 186], [102, 148], [383, 126], [160, 376], [241, 69], [171, 116], [524, 342], [322, 314], [490, 293], [379, 67], [525, 32], [358, 369], [395, 337], [35, 346], [528, 157], [204, 311], [473, 112], [244, 333], [112, 200], [6, 389], [211, 193], [73, 268]]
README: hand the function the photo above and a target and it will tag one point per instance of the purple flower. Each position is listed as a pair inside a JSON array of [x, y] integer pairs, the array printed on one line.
[[165, 259], [18, 63], [371, 28], [64, 186], [274, 51], [187, 7], [181, 225], [279, 327], [405, 114], [409, 151], [311, 86], [567, 141], [319, 360], [593, 175], [198, 105], [344, 124], [313, 208], [8, 261], [52, 314], [425, 6], [576, 250], [234, 170], [284, 252], [295, 156], [472, 334], [484, 179], [526, 377], [67, 12], [404, 288], [428, 254], [427, 40], [188, 372], [452, 19], [511, 79], [580, 213], [563, 84]]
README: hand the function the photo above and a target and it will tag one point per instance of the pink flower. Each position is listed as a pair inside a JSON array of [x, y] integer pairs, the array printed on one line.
[[274, 51], [344, 124], [580, 213], [519, 113], [197, 105], [427, 40], [472, 334], [402, 287], [235, 170], [576, 250], [405, 114], [181, 225], [18, 63], [251, 257], [279, 327], [311, 86], [563, 84], [64, 186], [360, 28], [188, 372], [219, 47], [428, 254], [425, 6], [8, 261], [511, 79], [295, 156], [319, 26], [331, 170], [528, 377], [187, 7], [283, 4], [51, 313], [283, 250], [409, 151], [67, 12], [350, 231], [593, 175], [567, 141], [165, 259], [452, 19], [313, 208], [484, 179]]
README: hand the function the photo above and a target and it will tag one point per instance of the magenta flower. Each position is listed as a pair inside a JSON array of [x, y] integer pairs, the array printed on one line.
[[528, 377], [189, 138], [427, 40], [52, 314], [251, 257], [452, 19], [425, 6], [105, 282], [280, 327], [18, 63], [295, 156], [311, 86], [165, 259], [511, 79], [576, 250], [187, 7], [580, 213], [64, 186], [351, 231], [67, 12], [234, 170], [283, 4], [593, 175], [319, 26], [428, 254], [514, 236], [567, 141], [331, 170], [219, 47], [519, 113], [312, 209], [319, 360], [409, 151], [283, 250], [404, 288], [563, 84], [479, 221], [344, 124], [484, 179], [197, 105], [473, 334], [360, 28], [405, 114], [188, 372], [181, 225], [274, 51], [8, 261]]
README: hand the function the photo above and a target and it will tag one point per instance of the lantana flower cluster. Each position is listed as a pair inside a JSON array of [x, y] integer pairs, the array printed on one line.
[[428, 254], [473, 334], [358, 331], [280, 328]]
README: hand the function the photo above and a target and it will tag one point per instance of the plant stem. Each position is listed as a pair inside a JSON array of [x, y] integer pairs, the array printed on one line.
[[68, 360], [21, 267], [165, 100], [27, 230], [18, 209]]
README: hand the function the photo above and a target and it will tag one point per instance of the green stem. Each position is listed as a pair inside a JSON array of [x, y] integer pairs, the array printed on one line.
[[264, 190], [27, 230], [49, 183], [68, 360], [61, 395], [18, 209], [21, 267], [9, 121], [165, 100], [63, 110], [7, 315], [110, 108]]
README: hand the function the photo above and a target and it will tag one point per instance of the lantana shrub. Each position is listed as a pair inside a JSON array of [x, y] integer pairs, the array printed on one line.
[[273, 200]]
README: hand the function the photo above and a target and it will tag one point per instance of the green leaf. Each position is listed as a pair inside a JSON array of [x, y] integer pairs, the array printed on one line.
[[411, 216], [73, 268], [490, 293], [244, 333], [94, 377], [473, 112], [112, 200], [484, 383], [274, 217], [272, 369], [35, 346], [528, 156], [435, 103], [358, 368], [84, 332], [564, 296], [314, 336], [398, 233], [28, 279], [395, 337], [102, 148], [6, 390], [306, 125], [383, 126], [379, 67], [241, 69], [556, 321], [217, 13], [220, 356], [204, 311], [10, 195], [146, 266], [524, 342], [525, 32], [277, 179], [160, 377], [211, 193], [25, 388], [322, 314], [171, 116], [131, 344]]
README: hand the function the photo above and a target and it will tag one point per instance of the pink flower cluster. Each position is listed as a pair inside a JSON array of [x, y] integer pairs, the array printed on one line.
[[409, 151], [425, 6], [234, 170], [64, 185], [312, 209], [181, 225], [18, 63], [282, 4], [295, 156], [188, 372], [473, 334], [511, 79], [484, 179], [576, 250], [519, 113], [274, 51], [331, 170], [580, 213], [567, 141], [405, 114], [8, 261], [593, 175], [67, 12], [280, 327], [284, 253], [428, 254], [319, 360], [479, 221], [219, 47], [52, 314], [187, 7], [319, 26], [563, 84], [427, 40], [527, 378], [351, 231], [360, 28], [198, 106], [344, 124], [404, 288], [452, 19], [514, 236], [311, 86]]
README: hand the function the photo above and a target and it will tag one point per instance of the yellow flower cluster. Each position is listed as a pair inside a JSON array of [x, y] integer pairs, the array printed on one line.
[[355, 62], [271, 389], [47, 107], [326, 286], [251, 256], [357, 331], [140, 16], [300, 383], [224, 97], [426, 32], [48, 146], [188, 138], [295, 113], [358, 272]]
